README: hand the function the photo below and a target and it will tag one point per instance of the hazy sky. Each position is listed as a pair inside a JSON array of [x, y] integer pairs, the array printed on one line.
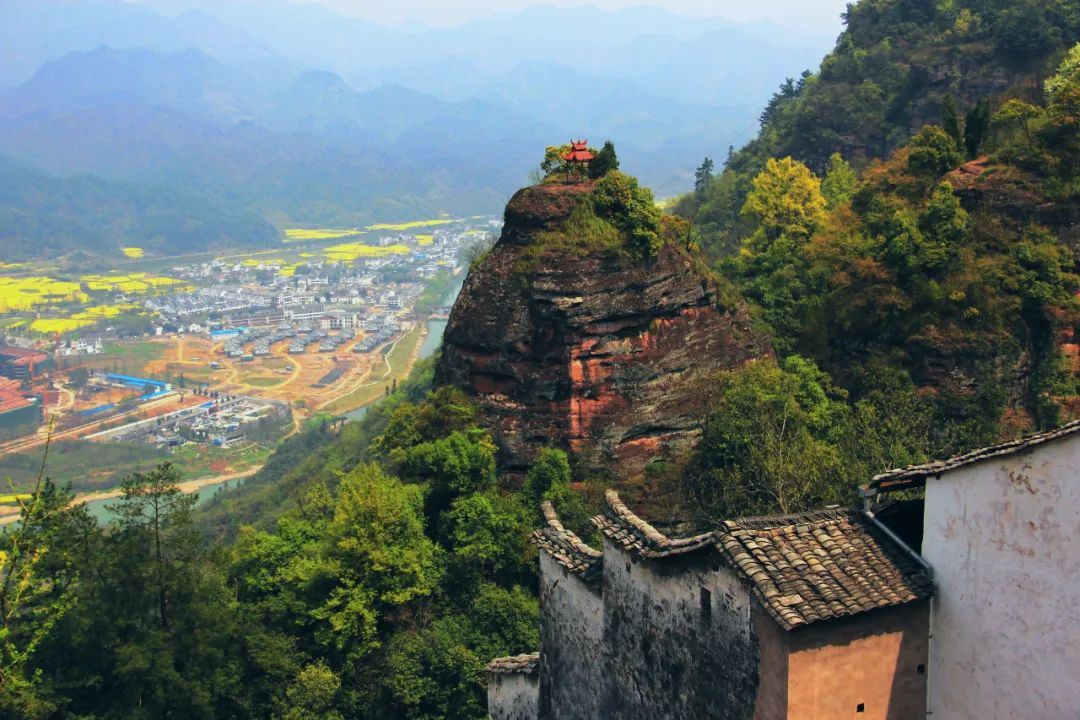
[[815, 15]]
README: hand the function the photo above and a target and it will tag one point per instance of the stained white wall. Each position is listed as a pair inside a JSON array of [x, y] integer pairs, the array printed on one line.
[[513, 696], [1003, 537]]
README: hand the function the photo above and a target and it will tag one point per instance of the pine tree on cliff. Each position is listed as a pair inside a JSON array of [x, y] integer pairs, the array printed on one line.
[[977, 127], [605, 161], [950, 120]]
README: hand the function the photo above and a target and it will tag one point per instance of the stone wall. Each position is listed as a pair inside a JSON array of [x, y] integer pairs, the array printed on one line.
[[678, 638], [571, 675], [513, 696]]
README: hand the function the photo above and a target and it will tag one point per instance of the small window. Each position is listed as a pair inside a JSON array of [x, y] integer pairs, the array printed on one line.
[[921, 670], [861, 707], [627, 568], [706, 605]]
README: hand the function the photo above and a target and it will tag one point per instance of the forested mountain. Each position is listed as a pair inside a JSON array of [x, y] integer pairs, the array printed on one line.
[[906, 218], [45, 216], [890, 73]]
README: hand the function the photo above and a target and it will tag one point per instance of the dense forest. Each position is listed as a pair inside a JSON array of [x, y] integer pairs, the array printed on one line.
[[904, 220], [900, 227]]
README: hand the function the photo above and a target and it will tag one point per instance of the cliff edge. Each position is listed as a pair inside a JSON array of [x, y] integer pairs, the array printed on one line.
[[564, 342]]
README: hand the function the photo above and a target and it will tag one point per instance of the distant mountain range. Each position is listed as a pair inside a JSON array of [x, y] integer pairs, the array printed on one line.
[[301, 116]]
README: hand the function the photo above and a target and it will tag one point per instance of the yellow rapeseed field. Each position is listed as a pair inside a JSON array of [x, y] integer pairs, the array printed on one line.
[[411, 225], [133, 252], [29, 292], [131, 283], [289, 270], [425, 240], [84, 318], [300, 234], [348, 252], [58, 326]]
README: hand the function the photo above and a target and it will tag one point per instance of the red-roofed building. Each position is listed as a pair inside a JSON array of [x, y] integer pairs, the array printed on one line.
[[21, 363], [19, 414], [579, 152]]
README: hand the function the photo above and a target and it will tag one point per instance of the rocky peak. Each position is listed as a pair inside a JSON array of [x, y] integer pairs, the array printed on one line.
[[585, 349]]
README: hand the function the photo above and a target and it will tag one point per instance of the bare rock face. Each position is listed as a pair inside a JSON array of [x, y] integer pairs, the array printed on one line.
[[587, 350]]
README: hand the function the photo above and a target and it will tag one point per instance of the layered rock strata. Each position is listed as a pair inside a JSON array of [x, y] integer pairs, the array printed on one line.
[[587, 350]]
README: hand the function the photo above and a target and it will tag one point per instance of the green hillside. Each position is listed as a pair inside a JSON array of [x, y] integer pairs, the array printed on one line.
[[46, 217]]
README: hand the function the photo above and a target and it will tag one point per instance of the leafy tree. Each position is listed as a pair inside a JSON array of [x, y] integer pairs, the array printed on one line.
[[703, 175], [78, 377], [553, 162], [839, 183], [433, 675], [770, 444], [1024, 32], [312, 695], [944, 220], [619, 200], [487, 536], [786, 201], [604, 161], [932, 152], [378, 558], [1017, 114], [1063, 91], [548, 477]]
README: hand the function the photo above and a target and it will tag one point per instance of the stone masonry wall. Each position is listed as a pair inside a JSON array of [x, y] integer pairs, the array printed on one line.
[[571, 674], [513, 696], [679, 641]]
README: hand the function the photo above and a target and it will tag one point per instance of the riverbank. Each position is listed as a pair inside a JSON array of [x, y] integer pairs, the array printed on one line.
[[10, 513], [398, 362]]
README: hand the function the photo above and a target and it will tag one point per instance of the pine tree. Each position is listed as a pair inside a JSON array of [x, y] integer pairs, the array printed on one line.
[[950, 120], [605, 161], [977, 127], [703, 175]]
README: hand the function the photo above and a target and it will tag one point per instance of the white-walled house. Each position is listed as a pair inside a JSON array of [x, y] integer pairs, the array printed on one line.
[[1001, 530]]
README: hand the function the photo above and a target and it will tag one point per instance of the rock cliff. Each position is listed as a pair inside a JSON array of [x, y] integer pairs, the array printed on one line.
[[584, 349]]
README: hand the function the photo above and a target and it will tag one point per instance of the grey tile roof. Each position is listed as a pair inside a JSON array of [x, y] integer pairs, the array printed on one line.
[[915, 476], [803, 568], [626, 529], [821, 565], [524, 664], [568, 550]]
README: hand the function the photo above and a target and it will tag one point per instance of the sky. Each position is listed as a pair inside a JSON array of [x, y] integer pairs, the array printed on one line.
[[815, 15]]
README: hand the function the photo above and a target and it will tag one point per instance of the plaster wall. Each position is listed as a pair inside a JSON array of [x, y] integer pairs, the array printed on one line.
[[678, 639], [871, 667], [571, 673], [513, 696], [1002, 537], [772, 695]]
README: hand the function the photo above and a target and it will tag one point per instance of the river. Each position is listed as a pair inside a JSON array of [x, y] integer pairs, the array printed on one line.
[[431, 344], [99, 508]]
